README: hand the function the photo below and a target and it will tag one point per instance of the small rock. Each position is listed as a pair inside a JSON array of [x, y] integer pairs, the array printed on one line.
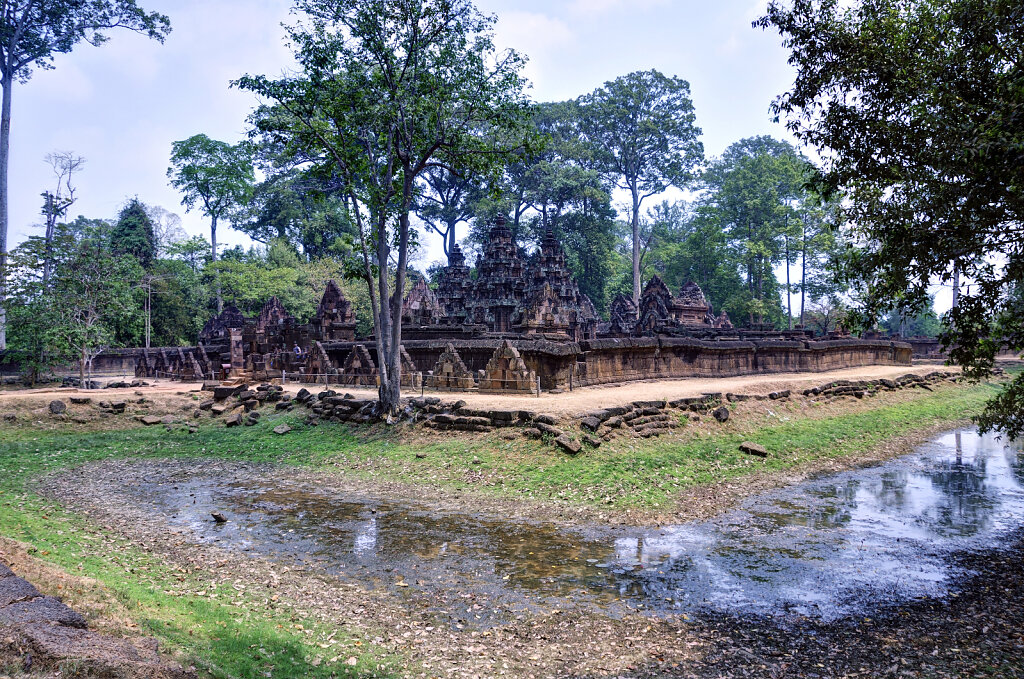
[[544, 418], [421, 456], [58, 407], [234, 421], [721, 414], [218, 517], [149, 420], [282, 429], [532, 433], [10, 417], [81, 400], [591, 423], [592, 441], [168, 419], [751, 448]]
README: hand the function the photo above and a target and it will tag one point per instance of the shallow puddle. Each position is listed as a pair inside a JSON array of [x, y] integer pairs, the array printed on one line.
[[835, 546]]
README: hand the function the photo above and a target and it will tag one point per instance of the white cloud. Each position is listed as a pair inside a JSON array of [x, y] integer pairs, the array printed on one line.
[[531, 32], [536, 35]]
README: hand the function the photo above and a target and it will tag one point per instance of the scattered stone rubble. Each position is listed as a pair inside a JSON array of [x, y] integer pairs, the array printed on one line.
[[42, 632]]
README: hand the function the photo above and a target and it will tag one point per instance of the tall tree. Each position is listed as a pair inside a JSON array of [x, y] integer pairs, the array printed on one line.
[[133, 233], [31, 33], [917, 108], [642, 130], [755, 189], [215, 177], [298, 206], [388, 90]]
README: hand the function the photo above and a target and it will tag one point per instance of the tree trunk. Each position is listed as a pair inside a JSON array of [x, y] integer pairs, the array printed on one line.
[[5, 154], [51, 225], [390, 392], [789, 290], [636, 246], [213, 249], [451, 242], [956, 284], [803, 273]]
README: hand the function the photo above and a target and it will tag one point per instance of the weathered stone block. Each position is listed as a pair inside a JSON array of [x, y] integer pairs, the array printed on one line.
[[568, 445], [751, 448]]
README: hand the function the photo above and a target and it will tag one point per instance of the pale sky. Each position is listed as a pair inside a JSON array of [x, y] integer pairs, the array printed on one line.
[[122, 105]]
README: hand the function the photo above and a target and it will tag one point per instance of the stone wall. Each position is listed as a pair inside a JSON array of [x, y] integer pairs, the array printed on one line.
[[564, 365]]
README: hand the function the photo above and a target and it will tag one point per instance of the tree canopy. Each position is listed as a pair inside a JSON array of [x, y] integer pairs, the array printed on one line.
[[387, 90], [917, 108], [133, 233], [642, 132]]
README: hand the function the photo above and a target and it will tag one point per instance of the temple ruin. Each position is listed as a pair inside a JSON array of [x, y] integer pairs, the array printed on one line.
[[518, 325]]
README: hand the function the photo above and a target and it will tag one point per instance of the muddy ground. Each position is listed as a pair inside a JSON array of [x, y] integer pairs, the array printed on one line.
[[977, 631]]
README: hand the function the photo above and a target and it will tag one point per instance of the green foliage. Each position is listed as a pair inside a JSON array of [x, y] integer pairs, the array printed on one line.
[[194, 251], [918, 109], [133, 233], [298, 207], [248, 283], [692, 246], [924, 323], [754, 191], [89, 303], [181, 303], [32, 32], [212, 175], [640, 131]]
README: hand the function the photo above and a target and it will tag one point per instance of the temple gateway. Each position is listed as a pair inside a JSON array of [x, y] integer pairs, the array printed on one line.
[[516, 327]]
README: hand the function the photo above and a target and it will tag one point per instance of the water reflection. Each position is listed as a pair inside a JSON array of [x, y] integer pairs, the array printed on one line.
[[827, 547]]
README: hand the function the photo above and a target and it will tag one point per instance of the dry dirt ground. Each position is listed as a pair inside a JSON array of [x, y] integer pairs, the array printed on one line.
[[162, 392]]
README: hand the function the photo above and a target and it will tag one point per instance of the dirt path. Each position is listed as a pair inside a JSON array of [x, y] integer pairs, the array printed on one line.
[[568, 403]]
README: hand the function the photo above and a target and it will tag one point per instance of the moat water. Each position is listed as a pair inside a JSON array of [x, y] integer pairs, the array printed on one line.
[[835, 546]]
